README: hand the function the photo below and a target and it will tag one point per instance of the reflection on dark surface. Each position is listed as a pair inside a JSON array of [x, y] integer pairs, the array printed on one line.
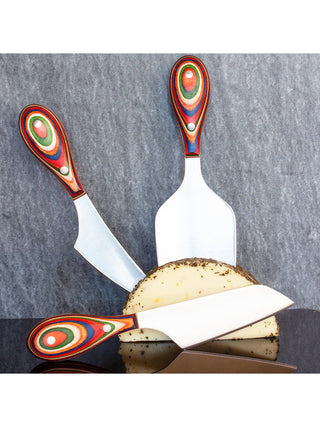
[[187, 361], [16, 358], [298, 344], [68, 367]]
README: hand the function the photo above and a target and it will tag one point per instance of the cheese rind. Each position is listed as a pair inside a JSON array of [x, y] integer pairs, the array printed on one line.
[[188, 279]]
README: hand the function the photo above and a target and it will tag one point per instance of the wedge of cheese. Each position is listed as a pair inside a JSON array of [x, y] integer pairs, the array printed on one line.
[[187, 279]]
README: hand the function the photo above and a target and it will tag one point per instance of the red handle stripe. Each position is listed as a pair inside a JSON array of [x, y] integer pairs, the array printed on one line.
[[45, 137], [68, 335], [189, 87]]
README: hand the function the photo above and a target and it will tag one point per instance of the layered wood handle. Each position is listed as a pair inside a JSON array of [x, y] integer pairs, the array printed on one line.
[[68, 335], [189, 87], [45, 136]]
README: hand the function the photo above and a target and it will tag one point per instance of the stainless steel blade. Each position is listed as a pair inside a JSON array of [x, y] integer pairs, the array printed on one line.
[[97, 244], [195, 222], [95, 241], [201, 319]]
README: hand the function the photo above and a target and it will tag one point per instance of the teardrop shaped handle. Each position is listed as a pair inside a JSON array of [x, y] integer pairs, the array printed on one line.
[[44, 135], [68, 335], [189, 87]]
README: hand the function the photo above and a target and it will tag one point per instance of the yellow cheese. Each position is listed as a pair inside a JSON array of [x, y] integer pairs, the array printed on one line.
[[187, 279]]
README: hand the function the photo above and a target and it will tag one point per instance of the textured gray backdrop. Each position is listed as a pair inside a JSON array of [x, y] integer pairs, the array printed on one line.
[[260, 152]]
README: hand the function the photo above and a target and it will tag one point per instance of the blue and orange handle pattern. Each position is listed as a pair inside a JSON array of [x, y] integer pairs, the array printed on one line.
[[69, 335], [44, 135], [189, 87]]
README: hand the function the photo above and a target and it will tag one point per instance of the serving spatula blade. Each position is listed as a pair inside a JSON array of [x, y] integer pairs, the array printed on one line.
[[194, 221]]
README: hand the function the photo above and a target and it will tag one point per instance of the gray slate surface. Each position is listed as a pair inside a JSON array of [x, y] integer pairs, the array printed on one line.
[[260, 152]]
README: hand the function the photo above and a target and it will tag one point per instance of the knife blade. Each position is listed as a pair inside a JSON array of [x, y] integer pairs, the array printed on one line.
[[44, 135], [186, 323]]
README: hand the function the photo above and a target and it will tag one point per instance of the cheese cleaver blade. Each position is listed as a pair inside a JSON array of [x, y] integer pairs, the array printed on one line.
[[45, 137], [187, 323], [194, 221]]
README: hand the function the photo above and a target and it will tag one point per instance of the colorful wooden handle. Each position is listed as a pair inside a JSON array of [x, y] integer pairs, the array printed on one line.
[[189, 87], [68, 335], [45, 136]]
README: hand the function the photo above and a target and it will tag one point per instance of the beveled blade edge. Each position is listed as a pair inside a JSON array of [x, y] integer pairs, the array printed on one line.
[[97, 244], [202, 319]]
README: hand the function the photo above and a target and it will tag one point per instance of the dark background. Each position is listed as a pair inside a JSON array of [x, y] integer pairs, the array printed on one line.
[[260, 152]]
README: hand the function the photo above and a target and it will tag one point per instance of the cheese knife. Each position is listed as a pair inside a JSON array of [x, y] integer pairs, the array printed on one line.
[[46, 138], [194, 221], [186, 323]]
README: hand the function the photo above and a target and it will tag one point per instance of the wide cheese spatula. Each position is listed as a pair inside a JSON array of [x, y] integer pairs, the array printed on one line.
[[194, 221]]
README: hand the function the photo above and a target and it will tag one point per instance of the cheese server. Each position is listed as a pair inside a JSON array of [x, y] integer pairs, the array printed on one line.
[[186, 323], [194, 221], [45, 136]]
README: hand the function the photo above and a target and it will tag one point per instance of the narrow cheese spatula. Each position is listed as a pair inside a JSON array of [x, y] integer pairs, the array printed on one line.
[[45, 137], [194, 221]]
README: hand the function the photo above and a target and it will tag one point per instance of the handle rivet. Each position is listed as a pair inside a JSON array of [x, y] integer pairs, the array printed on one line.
[[189, 74], [51, 340], [107, 327], [191, 126], [64, 169], [37, 123]]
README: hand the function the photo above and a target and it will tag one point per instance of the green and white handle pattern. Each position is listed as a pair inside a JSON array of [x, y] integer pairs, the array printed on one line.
[[45, 137], [69, 335]]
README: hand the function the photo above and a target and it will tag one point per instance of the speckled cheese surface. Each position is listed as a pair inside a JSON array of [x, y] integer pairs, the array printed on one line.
[[188, 279]]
